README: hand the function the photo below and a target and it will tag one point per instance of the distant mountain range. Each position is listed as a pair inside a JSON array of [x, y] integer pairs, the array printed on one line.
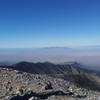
[[89, 56], [48, 68]]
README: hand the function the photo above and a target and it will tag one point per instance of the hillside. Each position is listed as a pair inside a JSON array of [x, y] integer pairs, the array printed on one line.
[[50, 68], [72, 72], [17, 85]]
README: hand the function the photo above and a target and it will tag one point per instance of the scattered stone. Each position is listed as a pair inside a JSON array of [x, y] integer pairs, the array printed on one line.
[[16, 85]]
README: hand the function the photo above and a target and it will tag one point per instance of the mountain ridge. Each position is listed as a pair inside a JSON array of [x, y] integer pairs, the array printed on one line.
[[72, 72], [62, 68]]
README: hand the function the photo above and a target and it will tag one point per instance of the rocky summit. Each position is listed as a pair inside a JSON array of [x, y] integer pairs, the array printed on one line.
[[20, 85]]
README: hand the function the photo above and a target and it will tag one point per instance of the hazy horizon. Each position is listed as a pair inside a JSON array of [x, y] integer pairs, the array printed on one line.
[[87, 56], [30, 29]]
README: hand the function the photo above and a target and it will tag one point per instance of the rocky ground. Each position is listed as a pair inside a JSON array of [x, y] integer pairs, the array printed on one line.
[[16, 85]]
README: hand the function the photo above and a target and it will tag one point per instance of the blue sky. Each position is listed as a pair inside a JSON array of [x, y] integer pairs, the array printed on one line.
[[44, 23]]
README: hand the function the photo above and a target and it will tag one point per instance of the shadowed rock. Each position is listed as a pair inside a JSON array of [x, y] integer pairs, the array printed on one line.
[[42, 95]]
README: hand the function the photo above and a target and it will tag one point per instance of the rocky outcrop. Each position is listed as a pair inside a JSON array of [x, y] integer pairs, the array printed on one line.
[[16, 84]]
